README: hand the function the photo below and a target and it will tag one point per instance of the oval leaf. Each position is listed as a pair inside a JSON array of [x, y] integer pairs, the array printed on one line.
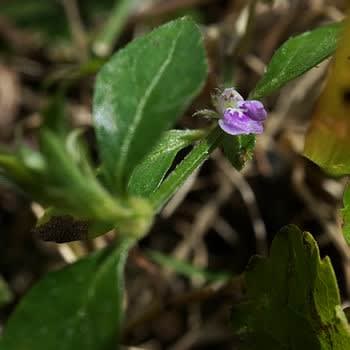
[[296, 56], [185, 168], [141, 92], [148, 175], [77, 307]]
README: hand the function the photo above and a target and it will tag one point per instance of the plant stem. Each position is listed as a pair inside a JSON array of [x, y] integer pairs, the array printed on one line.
[[106, 39], [191, 162], [119, 258], [77, 28], [187, 269]]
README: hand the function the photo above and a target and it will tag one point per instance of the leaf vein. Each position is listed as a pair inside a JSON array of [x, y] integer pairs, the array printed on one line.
[[141, 105]]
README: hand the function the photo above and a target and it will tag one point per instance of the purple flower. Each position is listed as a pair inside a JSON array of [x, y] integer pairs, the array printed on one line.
[[255, 109], [228, 98], [239, 116], [237, 122]]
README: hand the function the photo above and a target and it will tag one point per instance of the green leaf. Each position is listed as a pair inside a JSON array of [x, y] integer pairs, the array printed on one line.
[[14, 171], [142, 91], [55, 115], [346, 214], [296, 56], [238, 149], [148, 175], [77, 307], [185, 168], [61, 176], [71, 186], [292, 299]]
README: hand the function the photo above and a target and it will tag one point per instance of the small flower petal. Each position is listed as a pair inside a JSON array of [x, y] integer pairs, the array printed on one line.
[[228, 98], [231, 95], [254, 109], [236, 122]]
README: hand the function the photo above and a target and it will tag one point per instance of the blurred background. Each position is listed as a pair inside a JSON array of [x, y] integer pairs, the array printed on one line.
[[221, 217]]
